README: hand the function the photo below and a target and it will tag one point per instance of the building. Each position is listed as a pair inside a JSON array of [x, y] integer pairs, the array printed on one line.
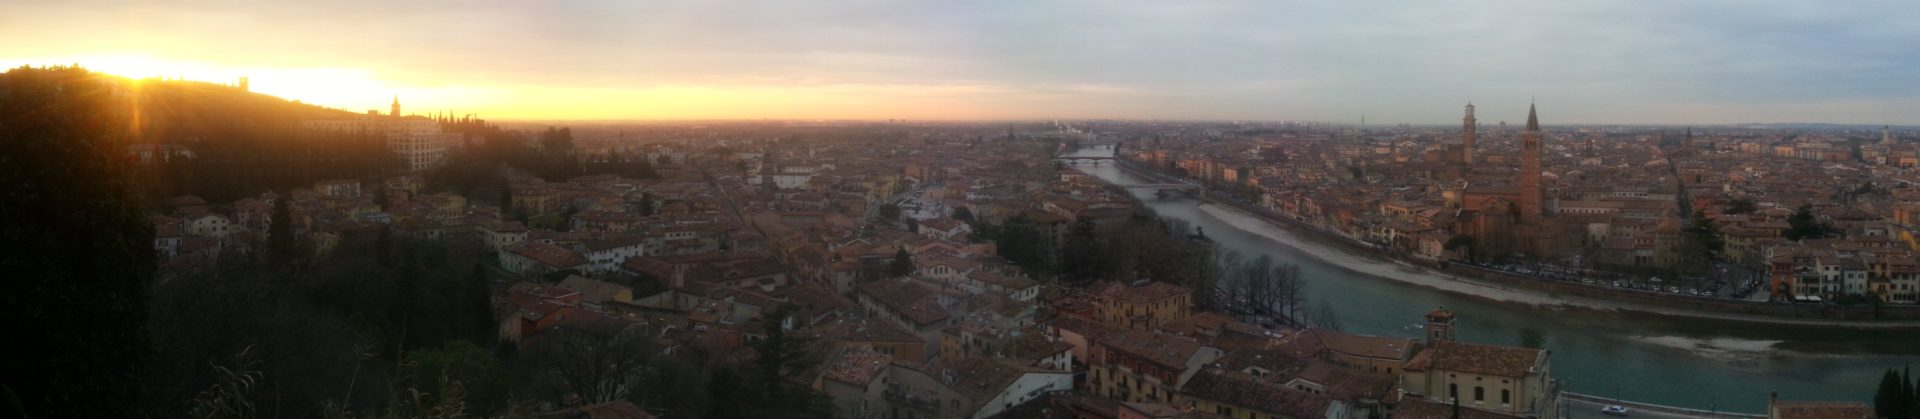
[[1466, 136], [1782, 409], [1145, 365], [417, 140], [533, 259], [1142, 304], [969, 388], [1506, 380]]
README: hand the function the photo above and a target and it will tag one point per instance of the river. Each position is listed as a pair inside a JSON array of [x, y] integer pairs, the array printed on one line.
[[1634, 357]]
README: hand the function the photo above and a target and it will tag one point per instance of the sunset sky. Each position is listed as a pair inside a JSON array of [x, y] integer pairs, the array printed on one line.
[[1586, 61]]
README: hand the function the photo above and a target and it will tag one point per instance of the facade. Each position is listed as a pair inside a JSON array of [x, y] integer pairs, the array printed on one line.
[[417, 140], [1505, 380], [1145, 366], [1468, 125], [1143, 304]]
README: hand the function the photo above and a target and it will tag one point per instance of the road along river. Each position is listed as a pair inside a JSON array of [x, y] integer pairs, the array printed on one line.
[[1645, 358]]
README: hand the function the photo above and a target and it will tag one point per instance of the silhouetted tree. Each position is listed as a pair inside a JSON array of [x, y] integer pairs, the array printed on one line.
[[280, 233], [902, 264], [963, 214], [75, 234], [1802, 225]]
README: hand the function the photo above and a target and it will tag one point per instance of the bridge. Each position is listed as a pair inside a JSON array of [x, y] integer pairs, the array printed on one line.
[[1085, 159], [1163, 186]]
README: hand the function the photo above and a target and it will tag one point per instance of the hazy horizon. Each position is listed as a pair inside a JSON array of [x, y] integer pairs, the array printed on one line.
[[1587, 62]]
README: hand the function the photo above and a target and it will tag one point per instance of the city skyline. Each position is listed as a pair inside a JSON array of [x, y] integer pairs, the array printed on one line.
[[1597, 62]]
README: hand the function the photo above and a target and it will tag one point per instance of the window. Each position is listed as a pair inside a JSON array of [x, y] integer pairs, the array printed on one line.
[[1453, 391], [1479, 393], [1506, 396]]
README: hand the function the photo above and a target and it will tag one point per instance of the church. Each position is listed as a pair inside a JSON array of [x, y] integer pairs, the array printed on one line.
[[1512, 218]]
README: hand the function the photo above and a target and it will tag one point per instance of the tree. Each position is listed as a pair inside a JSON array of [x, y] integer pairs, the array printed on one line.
[[902, 264], [280, 233], [889, 212], [76, 234], [480, 380], [780, 359], [1461, 242], [1802, 225], [383, 247], [1891, 399], [1700, 241], [594, 368], [1083, 257], [963, 214], [506, 197], [480, 305], [1741, 206]]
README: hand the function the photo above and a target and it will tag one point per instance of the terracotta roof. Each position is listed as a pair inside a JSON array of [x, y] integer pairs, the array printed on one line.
[[1503, 361], [1239, 389], [592, 290], [550, 255], [858, 367], [1144, 293], [1417, 408], [1364, 346], [1170, 351], [916, 301], [1821, 410]]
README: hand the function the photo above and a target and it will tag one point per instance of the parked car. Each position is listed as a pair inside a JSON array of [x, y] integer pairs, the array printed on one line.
[[1615, 410]]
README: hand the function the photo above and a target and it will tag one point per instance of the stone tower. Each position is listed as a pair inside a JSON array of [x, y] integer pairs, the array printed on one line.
[[396, 107], [1686, 145], [1466, 136], [1439, 325], [1530, 202]]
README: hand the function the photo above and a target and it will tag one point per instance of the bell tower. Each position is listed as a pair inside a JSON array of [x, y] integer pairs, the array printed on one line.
[[1466, 135], [1530, 201], [396, 107], [1439, 325]]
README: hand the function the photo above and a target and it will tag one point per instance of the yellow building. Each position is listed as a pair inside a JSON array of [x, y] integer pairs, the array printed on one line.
[[1142, 305], [1505, 380], [1145, 366]]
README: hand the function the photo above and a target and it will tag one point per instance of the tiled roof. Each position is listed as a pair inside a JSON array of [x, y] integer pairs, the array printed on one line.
[[1821, 410], [1170, 351], [550, 255], [1239, 389], [858, 367], [1144, 293], [1503, 361]]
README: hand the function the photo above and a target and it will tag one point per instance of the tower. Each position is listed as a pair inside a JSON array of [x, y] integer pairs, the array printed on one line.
[[1686, 145], [1439, 325], [396, 106], [1466, 136], [1530, 170], [1886, 134]]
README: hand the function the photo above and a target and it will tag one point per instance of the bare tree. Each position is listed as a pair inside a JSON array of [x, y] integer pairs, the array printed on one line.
[[1290, 291], [590, 367]]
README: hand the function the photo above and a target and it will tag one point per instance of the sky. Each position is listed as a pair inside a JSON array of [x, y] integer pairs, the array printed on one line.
[[1581, 61]]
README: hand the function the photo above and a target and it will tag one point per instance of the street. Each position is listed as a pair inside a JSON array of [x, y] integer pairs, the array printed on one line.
[[1582, 409]]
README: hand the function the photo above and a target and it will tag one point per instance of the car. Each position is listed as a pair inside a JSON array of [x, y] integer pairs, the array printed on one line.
[[1615, 410]]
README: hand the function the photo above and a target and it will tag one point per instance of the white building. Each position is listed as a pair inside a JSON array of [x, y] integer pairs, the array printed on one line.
[[418, 140], [209, 225]]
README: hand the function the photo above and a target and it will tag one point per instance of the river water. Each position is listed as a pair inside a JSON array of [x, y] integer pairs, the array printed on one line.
[[1634, 357]]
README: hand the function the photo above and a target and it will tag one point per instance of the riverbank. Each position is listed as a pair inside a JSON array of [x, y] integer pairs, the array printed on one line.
[[1381, 267]]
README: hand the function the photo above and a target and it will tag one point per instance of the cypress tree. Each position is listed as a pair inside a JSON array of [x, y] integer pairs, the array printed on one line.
[[280, 234], [1888, 397]]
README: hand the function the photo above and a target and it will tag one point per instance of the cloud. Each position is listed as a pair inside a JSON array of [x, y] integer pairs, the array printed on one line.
[[1586, 60]]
